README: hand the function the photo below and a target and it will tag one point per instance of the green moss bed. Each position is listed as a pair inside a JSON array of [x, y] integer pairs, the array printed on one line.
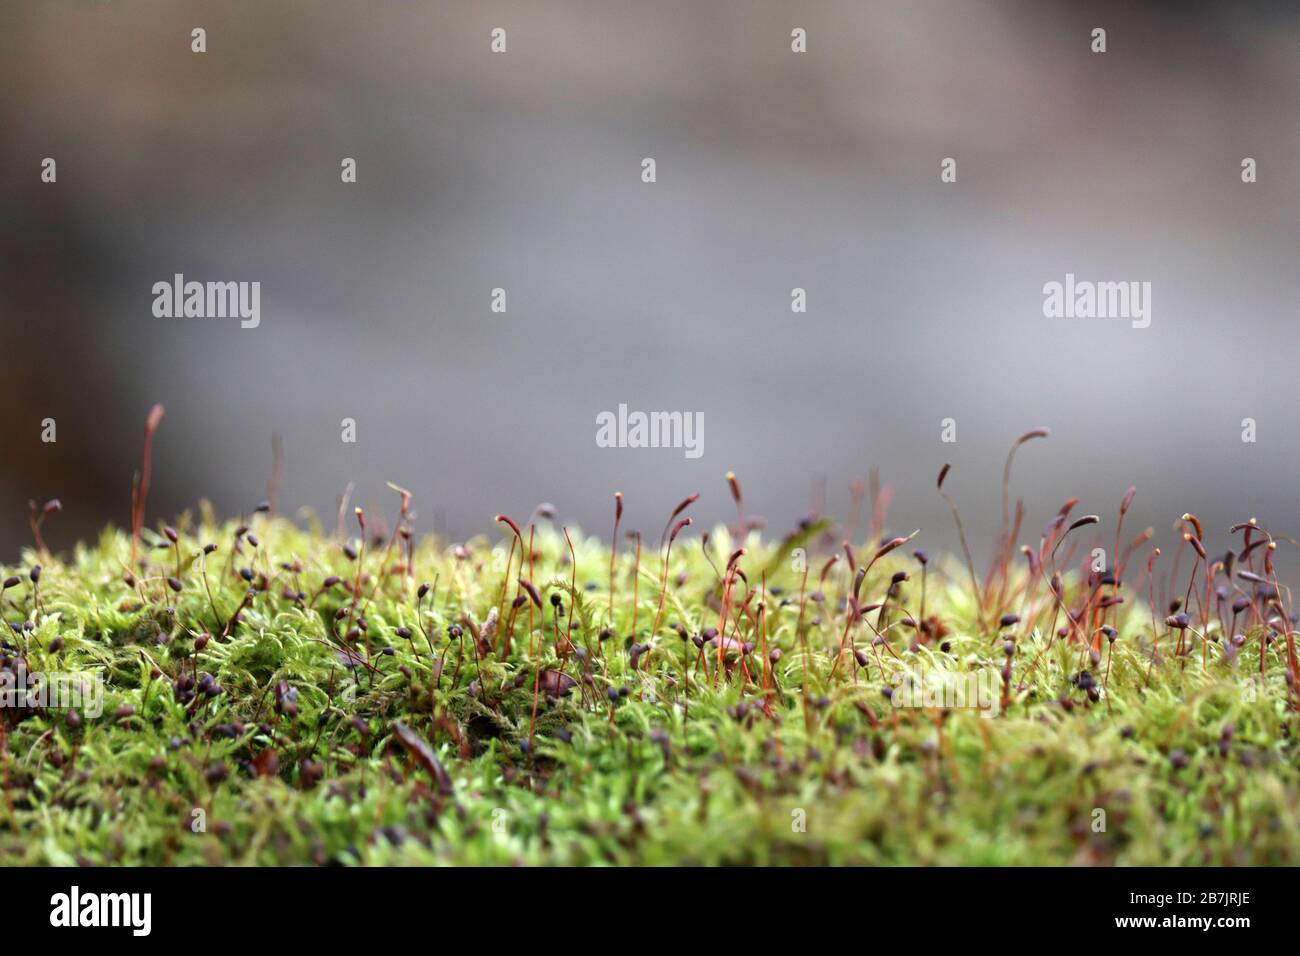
[[279, 694]]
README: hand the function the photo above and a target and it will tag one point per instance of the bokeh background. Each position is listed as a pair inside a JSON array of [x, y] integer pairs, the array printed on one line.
[[775, 170]]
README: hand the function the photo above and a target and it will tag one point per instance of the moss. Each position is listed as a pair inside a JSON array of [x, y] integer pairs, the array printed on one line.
[[286, 753]]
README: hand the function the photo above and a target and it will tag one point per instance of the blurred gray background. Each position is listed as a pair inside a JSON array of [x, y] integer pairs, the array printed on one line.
[[775, 170]]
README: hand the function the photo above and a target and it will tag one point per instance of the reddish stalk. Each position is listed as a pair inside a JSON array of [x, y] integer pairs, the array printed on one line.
[[505, 578], [140, 491], [961, 534], [613, 551], [573, 594], [886, 548], [762, 618], [534, 647], [663, 589], [392, 540], [36, 517], [726, 608], [734, 485], [1006, 476], [803, 641], [1292, 665], [686, 503], [636, 584]]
